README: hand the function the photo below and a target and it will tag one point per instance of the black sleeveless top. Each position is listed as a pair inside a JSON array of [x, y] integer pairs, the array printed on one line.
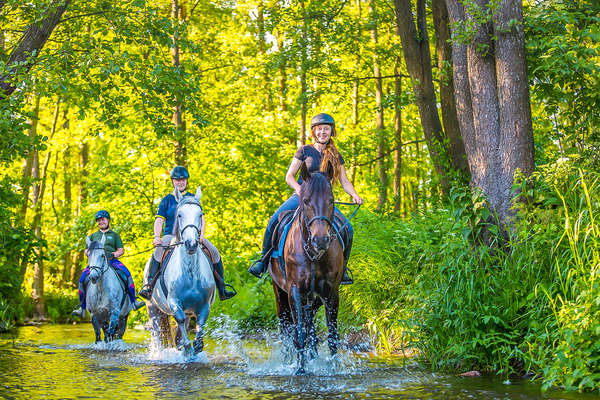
[[312, 158]]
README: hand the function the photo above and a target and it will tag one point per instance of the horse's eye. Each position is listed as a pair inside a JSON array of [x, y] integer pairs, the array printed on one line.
[[306, 201]]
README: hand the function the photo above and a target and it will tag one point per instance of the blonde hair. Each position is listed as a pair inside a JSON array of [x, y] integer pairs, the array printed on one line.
[[330, 154]]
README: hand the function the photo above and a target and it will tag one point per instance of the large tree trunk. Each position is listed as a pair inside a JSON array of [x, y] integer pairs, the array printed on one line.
[[30, 45], [28, 162], [415, 44], [456, 148], [492, 97], [380, 132]]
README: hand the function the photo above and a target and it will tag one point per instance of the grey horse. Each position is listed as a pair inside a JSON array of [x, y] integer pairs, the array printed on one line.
[[187, 278], [106, 296]]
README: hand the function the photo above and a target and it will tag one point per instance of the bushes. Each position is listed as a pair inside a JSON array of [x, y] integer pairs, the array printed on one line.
[[531, 304]]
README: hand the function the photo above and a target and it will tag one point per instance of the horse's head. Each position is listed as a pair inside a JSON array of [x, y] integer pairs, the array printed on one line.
[[96, 258], [316, 201], [188, 220]]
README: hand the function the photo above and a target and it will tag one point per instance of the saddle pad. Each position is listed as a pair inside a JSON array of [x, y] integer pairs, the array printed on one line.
[[163, 265], [283, 227]]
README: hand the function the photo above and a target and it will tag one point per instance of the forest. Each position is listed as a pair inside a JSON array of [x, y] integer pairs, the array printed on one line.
[[471, 128]]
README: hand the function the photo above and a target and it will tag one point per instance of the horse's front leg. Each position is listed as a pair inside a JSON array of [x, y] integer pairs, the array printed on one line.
[[201, 317], [179, 316], [97, 328], [331, 313], [295, 300], [309, 317], [112, 325]]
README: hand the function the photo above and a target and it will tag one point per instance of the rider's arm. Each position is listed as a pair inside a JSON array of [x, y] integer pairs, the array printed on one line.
[[290, 176], [348, 187], [118, 245], [158, 226]]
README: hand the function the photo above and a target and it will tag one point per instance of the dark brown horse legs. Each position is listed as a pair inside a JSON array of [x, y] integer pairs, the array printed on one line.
[[331, 314], [300, 337]]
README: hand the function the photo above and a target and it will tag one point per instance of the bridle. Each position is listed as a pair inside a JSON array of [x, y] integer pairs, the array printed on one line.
[[100, 268], [191, 202], [313, 254]]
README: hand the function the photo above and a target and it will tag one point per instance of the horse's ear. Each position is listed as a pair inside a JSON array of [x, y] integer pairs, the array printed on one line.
[[177, 195], [329, 171], [198, 193], [304, 172], [87, 242]]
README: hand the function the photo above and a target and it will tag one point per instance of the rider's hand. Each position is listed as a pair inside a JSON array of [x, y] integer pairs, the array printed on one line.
[[156, 242], [357, 199]]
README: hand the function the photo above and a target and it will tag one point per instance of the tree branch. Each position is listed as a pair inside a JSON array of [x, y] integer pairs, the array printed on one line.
[[388, 152]]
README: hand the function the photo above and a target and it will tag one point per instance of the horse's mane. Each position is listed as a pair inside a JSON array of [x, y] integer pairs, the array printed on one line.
[[317, 185], [96, 245]]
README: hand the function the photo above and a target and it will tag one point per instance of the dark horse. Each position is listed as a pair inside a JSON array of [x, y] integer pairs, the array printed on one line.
[[313, 268]]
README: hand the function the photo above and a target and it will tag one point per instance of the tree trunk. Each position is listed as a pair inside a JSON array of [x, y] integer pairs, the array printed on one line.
[[180, 129], [66, 204], [456, 148], [380, 132], [282, 73], [303, 68], [28, 162], [30, 45], [398, 138], [39, 186], [355, 92], [492, 97], [415, 46], [262, 49]]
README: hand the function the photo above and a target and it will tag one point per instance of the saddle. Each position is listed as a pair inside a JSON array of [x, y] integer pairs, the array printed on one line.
[[282, 228]]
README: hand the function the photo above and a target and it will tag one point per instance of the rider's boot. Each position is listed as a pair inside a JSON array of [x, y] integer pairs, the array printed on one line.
[[137, 304], [218, 272], [146, 291], [78, 312], [257, 268]]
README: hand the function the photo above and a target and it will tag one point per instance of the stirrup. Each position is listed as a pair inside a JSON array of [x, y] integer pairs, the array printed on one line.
[[253, 270], [145, 292], [226, 294], [349, 280]]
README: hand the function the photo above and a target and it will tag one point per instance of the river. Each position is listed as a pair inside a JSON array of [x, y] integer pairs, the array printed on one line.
[[62, 362]]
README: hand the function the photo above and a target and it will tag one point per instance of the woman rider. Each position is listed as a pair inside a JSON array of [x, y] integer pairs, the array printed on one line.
[[113, 246], [315, 156], [166, 216]]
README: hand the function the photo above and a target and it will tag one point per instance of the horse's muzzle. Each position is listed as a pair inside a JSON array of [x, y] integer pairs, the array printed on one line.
[[190, 247]]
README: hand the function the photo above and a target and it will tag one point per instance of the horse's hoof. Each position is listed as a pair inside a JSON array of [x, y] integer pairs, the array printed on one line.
[[198, 347], [300, 371], [188, 351]]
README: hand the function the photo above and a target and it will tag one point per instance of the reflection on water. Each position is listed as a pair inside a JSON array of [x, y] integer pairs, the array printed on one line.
[[59, 361]]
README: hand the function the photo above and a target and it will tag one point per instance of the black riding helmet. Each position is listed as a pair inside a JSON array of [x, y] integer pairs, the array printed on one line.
[[323, 119], [102, 214], [180, 172]]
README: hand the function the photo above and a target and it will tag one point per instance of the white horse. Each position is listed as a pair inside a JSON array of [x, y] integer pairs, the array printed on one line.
[[187, 278], [106, 297]]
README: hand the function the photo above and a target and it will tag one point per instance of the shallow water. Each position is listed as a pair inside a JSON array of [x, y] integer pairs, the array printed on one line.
[[61, 361]]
